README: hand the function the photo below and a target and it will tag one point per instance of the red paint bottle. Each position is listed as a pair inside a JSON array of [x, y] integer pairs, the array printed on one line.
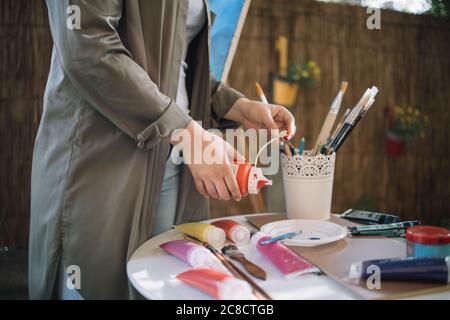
[[250, 178]]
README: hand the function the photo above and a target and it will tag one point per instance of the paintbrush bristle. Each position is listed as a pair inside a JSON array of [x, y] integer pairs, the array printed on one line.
[[344, 86], [230, 250], [259, 90]]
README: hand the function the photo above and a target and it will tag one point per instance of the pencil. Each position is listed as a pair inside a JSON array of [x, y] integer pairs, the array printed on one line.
[[302, 146]]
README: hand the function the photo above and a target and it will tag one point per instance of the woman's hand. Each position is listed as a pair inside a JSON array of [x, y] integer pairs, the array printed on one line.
[[258, 115], [208, 157]]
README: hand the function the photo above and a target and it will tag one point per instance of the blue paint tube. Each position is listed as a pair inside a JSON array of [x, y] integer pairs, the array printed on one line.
[[405, 269]]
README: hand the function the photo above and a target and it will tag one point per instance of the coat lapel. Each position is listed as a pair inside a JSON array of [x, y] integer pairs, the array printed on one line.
[[163, 28]]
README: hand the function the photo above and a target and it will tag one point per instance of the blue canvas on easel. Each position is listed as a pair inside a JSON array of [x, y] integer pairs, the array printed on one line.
[[226, 23]]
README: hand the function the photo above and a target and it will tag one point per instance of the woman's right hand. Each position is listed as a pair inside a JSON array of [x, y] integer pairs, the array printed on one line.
[[208, 157]]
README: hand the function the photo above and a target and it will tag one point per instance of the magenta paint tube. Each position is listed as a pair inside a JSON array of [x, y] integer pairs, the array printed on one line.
[[285, 260], [189, 252], [405, 269]]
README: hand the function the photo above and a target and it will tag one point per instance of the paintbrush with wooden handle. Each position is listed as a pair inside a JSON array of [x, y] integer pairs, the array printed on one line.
[[233, 252], [257, 290], [330, 119], [340, 123], [235, 271]]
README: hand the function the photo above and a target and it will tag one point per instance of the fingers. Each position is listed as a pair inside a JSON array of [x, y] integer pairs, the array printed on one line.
[[222, 189], [269, 121], [227, 186], [233, 154], [222, 185], [211, 189], [201, 188], [233, 187], [291, 129], [289, 123], [285, 120]]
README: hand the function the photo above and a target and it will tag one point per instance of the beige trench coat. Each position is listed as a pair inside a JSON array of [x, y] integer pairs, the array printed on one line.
[[100, 151]]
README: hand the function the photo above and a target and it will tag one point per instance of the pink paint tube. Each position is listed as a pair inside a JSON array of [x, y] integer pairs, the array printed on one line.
[[286, 261], [234, 231], [189, 252], [217, 284]]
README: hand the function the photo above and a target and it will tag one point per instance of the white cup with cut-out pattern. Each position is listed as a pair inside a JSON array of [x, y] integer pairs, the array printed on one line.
[[308, 185]]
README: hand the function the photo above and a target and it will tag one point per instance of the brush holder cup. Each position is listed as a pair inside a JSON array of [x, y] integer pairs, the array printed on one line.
[[308, 185]]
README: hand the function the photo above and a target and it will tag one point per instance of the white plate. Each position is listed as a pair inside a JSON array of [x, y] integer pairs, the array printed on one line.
[[327, 232]]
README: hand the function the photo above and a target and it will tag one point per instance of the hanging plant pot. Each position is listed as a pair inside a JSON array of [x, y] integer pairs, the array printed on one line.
[[284, 92], [395, 145]]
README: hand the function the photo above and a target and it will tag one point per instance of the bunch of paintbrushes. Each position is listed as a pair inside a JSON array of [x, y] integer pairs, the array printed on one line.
[[328, 124], [328, 144]]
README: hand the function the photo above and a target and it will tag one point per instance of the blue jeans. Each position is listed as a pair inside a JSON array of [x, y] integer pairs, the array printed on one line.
[[165, 215], [64, 292]]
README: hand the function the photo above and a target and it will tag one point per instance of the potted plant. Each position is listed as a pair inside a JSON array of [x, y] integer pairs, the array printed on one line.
[[405, 124], [286, 86]]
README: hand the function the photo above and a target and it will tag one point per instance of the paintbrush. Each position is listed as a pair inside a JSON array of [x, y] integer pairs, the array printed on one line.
[[233, 252], [331, 118], [257, 290], [329, 147], [260, 93], [284, 236], [374, 91], [325, 149], [352, 120], [287, 150], [291, 147], [341, 122]]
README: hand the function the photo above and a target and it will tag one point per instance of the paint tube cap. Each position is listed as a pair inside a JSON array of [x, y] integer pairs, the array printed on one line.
[[200, 256], [215, 236], [240, 235], [234, 289], [255, 239], [428, 235], [256, 180], [355, 271]]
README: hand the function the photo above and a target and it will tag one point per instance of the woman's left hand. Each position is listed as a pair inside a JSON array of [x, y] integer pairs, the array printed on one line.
[[258, 115]]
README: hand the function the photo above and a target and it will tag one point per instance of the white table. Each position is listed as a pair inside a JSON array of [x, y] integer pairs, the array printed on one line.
[[152, 272]]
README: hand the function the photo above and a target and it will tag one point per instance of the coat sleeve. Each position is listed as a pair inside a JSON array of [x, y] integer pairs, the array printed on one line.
[[222, 98], [103, 72]]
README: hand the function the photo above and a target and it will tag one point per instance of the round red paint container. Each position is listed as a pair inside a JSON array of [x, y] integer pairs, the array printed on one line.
[[428, 241]]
